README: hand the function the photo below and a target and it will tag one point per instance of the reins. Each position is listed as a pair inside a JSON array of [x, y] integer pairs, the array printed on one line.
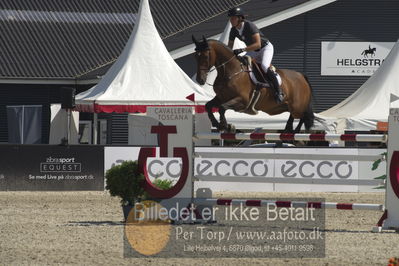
[[224, 69]]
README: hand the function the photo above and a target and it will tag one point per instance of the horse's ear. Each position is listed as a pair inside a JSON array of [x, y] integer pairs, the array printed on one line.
[[204, 39], [194, 40]]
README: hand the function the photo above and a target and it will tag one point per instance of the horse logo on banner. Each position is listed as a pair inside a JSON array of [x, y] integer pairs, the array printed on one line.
[[370, 51]]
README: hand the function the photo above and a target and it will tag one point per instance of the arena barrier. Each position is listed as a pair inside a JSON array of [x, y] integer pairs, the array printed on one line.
[[176, 136]]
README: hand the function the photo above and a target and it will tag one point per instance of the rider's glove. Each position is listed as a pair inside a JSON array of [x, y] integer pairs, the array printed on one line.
[[238, 51]]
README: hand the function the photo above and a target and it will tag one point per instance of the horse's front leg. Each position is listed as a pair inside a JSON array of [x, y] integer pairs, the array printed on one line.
[[222, 118], [209, 106]]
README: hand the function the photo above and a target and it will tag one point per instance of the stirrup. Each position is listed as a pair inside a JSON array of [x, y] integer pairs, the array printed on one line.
[[278, 97]]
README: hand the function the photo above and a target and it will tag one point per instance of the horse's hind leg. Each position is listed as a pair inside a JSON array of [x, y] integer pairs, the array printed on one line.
[[222, 118], [298, 127], [208, 106], [289, 127]]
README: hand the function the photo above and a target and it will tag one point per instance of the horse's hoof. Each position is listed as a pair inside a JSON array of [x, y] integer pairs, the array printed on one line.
[[231, 128], [215, 125], [279, 144], [221, 129]]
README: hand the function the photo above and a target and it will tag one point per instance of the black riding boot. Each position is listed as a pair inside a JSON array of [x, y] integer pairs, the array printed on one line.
[[272, 77]]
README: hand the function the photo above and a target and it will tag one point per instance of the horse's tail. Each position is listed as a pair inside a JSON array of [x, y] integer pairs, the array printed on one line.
[[308, 116], [363, 52]]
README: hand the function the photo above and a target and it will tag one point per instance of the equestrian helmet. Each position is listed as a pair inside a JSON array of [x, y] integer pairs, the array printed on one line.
[[236, 11]]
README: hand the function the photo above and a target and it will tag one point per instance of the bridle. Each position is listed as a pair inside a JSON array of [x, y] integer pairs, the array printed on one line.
[[224, 69]]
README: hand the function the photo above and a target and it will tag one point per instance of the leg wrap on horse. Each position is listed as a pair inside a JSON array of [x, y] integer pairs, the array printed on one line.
[[254, 99]]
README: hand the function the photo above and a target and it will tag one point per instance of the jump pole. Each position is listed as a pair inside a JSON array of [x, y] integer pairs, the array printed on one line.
[[176, 136], [390, 218]]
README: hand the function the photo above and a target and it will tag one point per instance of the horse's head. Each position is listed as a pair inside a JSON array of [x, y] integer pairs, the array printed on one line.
[[204, 58]]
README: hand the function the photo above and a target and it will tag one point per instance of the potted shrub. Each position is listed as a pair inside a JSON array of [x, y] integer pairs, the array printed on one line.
[[126, 182], [375, 165]]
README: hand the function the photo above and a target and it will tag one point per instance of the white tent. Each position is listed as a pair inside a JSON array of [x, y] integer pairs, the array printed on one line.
[[144, 74], [370, 103]]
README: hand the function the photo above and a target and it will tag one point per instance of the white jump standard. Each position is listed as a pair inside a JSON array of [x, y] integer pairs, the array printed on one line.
[[177, 141]]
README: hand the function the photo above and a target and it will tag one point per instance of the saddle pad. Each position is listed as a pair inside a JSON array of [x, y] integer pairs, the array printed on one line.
[[254, 79]]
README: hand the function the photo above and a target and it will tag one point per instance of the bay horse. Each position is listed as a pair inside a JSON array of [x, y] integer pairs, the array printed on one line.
[[234, 88]]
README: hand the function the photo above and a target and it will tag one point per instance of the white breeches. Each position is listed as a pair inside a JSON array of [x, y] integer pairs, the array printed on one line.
[[264, 56]]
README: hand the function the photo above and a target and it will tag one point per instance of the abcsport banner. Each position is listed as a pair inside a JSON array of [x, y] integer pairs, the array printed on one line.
[[51, 168]]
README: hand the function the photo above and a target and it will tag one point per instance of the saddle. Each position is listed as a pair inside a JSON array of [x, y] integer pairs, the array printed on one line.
[[259, 75], [256, 69]]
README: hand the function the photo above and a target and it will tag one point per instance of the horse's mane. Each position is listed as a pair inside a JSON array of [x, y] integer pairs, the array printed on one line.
[[220, 43]]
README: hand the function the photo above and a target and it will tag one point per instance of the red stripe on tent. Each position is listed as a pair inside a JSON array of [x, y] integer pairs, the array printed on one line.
[[319, 137], [253, 203], [87, 108], [287, 136], [223, 202], [344, 206], [348, 137], [283, 204], [260, 136], [228, 136], [138, 108]]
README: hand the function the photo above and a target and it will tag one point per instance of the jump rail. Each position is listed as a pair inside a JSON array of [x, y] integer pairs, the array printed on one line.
[[290, 136], [291, 204]]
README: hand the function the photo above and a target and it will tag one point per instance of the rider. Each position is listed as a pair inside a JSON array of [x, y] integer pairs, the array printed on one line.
[[258, 47]]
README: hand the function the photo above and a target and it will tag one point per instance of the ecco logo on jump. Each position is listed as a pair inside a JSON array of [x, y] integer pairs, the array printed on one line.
[[233, 167], [254, 168], [321, 169]]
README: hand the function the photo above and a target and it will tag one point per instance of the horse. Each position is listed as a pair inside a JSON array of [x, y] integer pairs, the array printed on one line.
[[370, 51], [234, 89]]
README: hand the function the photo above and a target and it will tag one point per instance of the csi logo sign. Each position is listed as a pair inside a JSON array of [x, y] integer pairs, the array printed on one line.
[[316, 169]]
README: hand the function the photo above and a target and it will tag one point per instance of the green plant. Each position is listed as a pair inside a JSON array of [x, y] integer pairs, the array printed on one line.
[[376, 164], [163, 183], [126, 181]]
